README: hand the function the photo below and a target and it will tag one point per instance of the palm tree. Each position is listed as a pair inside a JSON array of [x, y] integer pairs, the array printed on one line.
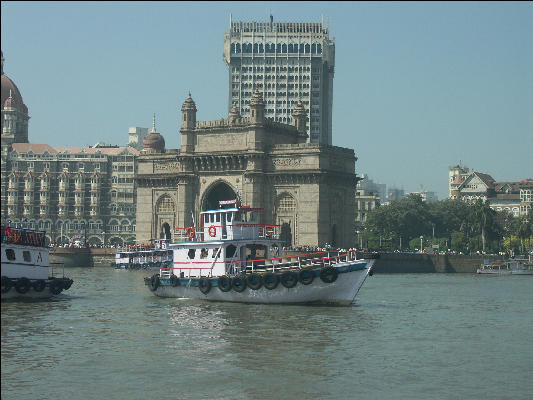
[[483, 216]]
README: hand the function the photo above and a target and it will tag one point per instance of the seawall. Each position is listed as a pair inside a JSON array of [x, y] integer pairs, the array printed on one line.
[[82, 257], [390, 263]]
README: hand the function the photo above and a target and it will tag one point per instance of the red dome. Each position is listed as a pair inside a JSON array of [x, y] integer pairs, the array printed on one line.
[[7, 87], [154, 141]]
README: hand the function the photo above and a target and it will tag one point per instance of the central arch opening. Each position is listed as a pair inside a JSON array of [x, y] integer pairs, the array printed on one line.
[[220, 191]]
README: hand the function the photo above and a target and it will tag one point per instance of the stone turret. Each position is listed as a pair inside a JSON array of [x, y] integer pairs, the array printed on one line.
[[300, 118], [188, 111], [188, 124], [257, 108]]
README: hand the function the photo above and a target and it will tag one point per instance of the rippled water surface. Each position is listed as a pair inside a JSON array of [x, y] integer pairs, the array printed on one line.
[[412, 336]]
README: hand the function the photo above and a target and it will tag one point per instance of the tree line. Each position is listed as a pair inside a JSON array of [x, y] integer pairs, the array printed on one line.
[[453, 225]]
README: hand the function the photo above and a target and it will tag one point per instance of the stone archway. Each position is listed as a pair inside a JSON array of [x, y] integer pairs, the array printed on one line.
[[217, 192]]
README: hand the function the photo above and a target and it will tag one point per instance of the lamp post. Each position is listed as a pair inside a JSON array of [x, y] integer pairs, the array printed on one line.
[[421, 243]]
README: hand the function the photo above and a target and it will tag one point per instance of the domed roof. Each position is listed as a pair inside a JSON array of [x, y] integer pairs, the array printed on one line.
[[257, 98], [10, 89], [154, 141], [189, 104], [299, 109]]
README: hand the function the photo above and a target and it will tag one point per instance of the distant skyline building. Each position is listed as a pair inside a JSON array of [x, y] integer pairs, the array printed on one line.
[[288, 62], [515, 198], [136, 137], [395, 194], [427, 196], [370, 187]]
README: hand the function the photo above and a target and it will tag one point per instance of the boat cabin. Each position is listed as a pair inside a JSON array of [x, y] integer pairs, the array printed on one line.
[[228, 240]]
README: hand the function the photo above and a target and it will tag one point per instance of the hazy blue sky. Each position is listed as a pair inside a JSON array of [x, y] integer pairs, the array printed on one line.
[[418, 87]]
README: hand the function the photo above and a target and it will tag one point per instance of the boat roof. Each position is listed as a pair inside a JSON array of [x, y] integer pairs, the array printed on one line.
[[243, 208]]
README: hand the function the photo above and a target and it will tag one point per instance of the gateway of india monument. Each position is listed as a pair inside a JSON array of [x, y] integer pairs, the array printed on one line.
[[268, 151], [308, 189]]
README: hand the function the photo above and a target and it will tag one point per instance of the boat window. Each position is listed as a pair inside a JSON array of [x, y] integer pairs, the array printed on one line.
[[10, 253], [206, 218], [230, 251], [192, 253], [215, 251], [212, 216], [218, 217], [228, 217], [203, 253], [26, 255], [238, 217]]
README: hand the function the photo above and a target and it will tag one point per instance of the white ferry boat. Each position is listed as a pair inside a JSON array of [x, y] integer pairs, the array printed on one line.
[[509, 267], [232, 257], [26, 271], [141, 256]]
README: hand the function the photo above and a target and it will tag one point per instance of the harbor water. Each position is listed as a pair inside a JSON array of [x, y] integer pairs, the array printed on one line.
[[408, 336]]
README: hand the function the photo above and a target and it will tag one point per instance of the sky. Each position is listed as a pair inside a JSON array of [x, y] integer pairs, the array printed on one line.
[[418, 87]]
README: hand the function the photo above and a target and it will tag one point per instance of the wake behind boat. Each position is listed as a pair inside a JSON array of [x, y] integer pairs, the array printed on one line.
[[26, 271], [233, 258]]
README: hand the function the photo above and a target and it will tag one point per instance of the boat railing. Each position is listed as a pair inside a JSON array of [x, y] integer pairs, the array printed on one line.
[[276, 264], [53, 269]]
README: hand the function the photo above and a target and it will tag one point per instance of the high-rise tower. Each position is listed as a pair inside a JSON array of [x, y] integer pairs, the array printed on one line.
[[287, 62]]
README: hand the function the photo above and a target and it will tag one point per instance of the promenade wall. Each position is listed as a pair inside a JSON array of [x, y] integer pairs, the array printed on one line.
[[82, 257], [387, 263]]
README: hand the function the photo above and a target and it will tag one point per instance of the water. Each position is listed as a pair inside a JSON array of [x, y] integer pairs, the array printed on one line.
[[409, 336]]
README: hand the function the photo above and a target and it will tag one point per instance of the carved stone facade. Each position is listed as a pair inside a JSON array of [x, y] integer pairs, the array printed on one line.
[[306, 188]]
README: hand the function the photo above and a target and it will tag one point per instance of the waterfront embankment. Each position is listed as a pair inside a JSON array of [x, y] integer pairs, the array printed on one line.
[[387, 263]]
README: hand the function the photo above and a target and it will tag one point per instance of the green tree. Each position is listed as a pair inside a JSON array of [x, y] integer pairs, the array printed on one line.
[[483, 219]]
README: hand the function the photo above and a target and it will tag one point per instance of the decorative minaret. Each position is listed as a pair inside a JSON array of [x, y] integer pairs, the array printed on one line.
[[188, 111], [188, 124], [257, 108], [9, 128], [300, 118], [154, 142]]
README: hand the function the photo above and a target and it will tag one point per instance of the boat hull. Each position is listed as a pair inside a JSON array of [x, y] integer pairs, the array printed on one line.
[[488, 271], [342, 291]]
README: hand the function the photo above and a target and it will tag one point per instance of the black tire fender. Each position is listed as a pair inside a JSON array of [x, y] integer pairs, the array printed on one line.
[[289, 279], [56, 286], [39, 285], [7, 284], [238, 283], [154, 282], [224, 283], [254, 281], [204, 284], [270, 280], [23, 285], [306, 276], [328, 274]]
